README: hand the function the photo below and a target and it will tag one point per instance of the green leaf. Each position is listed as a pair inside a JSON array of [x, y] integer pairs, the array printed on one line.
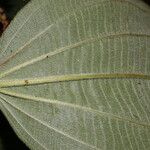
[[75, 75]]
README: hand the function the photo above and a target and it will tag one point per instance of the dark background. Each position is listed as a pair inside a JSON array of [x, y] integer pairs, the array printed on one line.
[[147, 1], [12, 6], [8, 138]]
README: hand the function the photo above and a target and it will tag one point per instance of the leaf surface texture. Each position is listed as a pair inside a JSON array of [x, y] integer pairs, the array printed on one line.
[[75, 75]]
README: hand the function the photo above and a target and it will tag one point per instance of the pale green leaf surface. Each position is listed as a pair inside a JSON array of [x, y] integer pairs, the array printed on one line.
[[75, 75]]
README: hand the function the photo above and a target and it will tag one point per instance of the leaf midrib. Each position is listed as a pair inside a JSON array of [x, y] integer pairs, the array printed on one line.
[[70, 77]]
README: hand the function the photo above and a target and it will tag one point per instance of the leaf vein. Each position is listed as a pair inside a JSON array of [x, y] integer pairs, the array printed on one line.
[[63, 49], [50, 127], [88, 109]]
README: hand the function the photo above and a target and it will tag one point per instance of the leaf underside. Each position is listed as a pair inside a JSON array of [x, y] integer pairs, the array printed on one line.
[[75, 75]]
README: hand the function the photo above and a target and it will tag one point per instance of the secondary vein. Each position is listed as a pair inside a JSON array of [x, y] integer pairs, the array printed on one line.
[[74, 106], [63, 49]]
